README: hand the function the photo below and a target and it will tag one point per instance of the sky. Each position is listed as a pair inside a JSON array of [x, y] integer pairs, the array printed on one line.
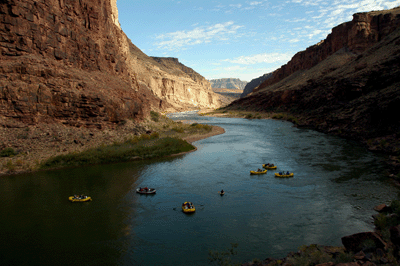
[[235, 38]]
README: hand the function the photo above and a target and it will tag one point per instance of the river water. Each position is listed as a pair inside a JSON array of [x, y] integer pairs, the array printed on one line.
[[335, 186]]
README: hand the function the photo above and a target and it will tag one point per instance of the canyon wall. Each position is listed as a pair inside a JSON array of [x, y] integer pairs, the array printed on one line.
[[365, 30], [254, 83], [69, 61], [353, 93]]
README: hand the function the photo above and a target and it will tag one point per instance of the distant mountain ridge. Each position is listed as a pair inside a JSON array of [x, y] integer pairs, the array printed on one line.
[[228, 83]]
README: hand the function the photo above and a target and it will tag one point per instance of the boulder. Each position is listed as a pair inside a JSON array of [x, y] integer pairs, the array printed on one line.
[[382, 208], [395, 235], [363, 241]]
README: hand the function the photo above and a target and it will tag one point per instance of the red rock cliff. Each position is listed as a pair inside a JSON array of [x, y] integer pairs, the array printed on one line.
[[365, 30], [69, 61]]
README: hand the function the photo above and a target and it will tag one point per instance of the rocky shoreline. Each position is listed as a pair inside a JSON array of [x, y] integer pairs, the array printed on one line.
[[380, 247]]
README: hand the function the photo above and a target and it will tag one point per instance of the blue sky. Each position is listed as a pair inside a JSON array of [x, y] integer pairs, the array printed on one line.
[[235, 38]]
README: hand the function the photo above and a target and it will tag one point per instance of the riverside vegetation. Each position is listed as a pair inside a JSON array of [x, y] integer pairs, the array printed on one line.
[[156, 137], [250, 114]]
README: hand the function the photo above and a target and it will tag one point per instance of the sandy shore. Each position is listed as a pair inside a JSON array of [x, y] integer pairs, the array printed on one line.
[[216, 130]]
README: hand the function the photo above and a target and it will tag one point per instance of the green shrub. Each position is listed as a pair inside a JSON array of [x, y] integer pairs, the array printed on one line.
[[223, 258], [155, 116], [154, 135], [142, 148], [145, 137], [9, 166], [8, 152], [278, 116], [310, 255], [381, 221], [293, 119], [178, 129]]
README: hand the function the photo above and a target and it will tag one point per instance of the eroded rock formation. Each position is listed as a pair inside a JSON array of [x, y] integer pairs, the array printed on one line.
[[228, 83], [69, 61], [365, 30]]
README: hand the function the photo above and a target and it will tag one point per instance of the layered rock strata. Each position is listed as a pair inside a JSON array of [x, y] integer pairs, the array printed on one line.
[[69, 61], [228, 83], [365, 30], [351, 93]]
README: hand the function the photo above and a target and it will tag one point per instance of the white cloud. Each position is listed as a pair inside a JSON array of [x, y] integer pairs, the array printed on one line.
[[342, 10], [260, 58], [181, 39], [255, 3]]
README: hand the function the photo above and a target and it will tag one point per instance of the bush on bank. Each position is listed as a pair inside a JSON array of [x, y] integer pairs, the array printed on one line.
[[137, 148]]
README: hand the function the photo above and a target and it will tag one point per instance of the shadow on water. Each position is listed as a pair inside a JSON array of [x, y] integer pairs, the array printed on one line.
[[335, 186]]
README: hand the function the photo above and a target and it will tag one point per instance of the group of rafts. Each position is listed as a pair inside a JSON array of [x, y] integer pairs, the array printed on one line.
[[269, 166], [188, 206]]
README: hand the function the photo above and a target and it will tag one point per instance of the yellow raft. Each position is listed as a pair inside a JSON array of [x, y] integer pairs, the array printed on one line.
[[79, 198], [269, 167], [188, 207], [289, 175], [258, 173]]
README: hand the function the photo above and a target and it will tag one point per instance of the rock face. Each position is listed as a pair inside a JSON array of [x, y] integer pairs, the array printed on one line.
[[365, 30], [228, 83], [254, 83], [69, 61], [360, 241], [353, 92], [180, 86]]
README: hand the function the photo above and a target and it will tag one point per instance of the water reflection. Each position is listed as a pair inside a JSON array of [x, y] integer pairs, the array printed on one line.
[[336, 184]]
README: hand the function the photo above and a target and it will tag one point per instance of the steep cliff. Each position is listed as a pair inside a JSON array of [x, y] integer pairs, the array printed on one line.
[[353, 93], [69, 61], [254, 83], [228, 83], [180, 86], [365, 30]]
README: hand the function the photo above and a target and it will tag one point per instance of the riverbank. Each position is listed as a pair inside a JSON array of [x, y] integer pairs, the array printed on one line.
[[381, 144], [24, 148]]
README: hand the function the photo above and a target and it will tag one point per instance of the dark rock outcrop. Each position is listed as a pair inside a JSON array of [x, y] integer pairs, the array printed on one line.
[[363, 241], [254, 83]]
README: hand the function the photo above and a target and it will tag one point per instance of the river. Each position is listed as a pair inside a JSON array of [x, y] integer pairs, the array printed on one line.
[[335, 186]]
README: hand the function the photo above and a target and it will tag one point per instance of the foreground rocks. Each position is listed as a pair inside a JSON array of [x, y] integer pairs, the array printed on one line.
[[381, 247]]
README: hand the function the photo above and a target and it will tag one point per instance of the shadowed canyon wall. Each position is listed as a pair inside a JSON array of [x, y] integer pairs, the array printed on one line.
[[347, 85], [69, 61]]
